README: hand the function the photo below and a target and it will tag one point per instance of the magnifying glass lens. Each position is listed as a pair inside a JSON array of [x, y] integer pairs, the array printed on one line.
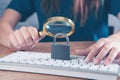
[[55, 25], [58, 27]]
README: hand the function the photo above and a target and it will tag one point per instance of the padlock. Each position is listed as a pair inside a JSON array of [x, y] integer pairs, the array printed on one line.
[[60, 51]]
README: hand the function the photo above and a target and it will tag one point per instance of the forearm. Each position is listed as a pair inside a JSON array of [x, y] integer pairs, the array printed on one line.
[[5, 31], [7, 22]]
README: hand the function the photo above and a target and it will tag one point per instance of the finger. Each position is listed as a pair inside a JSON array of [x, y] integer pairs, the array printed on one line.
[[82, 52], [113, 53], [20, 38], [34, 33], [14, 45], [104, 51], [91, 55], [85, 52], [95, 48], [27, 36], [41, 35]]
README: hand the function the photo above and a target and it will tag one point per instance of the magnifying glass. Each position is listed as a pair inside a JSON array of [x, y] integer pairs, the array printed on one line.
[[56, 25]]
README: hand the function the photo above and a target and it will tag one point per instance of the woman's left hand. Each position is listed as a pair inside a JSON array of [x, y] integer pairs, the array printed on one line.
[[105, 48]]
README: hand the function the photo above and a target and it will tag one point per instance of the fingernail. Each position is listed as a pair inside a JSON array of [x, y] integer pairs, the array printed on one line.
[[107, 62], [96, 62], [87, 60]]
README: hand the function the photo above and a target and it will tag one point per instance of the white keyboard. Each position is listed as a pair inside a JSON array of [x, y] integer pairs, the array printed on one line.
[[42, 63]]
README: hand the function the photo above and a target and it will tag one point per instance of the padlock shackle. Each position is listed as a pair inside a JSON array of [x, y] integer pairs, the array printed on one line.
[[61, 34]]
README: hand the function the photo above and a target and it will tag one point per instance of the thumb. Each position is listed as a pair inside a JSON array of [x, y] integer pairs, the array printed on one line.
[[41, 35]]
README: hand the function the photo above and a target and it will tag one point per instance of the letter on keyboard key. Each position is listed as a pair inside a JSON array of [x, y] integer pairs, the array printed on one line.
[[103, 68], [75, 66], [74, 61], [65, 65], [40, 63], [23, 61], [84, 66], [94, 67], [57, 64], [113, 68]]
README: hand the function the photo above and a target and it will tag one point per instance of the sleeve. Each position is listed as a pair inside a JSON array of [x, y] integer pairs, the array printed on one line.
[[115, 7], [24, 7]]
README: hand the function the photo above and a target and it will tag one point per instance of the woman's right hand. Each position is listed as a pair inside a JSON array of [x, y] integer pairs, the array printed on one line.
[[24, 39]]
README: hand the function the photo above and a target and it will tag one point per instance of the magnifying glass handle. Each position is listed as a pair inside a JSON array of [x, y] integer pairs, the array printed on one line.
[[41, 33]]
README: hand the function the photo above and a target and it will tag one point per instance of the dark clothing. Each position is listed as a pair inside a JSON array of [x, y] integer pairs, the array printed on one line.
[[93, 29]]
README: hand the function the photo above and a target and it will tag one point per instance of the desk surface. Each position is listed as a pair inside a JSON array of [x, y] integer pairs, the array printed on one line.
[[41, 47]]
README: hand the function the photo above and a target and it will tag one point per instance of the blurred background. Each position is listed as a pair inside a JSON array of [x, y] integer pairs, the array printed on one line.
[[31, 21], [113, 21]]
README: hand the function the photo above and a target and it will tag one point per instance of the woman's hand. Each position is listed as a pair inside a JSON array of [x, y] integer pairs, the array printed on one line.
[[105, 48], [24, 39]]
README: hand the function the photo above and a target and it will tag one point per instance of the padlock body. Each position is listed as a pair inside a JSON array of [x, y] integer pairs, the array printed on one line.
[[60, 51]]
